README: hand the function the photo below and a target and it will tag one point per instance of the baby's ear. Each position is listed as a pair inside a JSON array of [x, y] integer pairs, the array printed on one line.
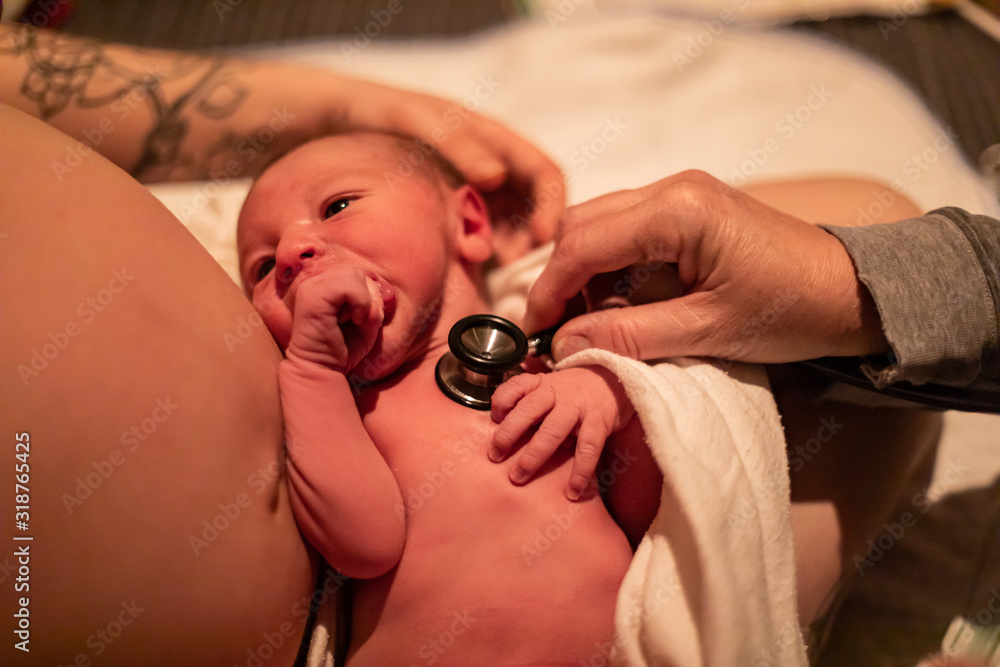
[[474, 242]]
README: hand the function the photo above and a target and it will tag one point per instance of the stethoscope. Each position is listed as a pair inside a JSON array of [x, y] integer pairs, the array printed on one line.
[[486, 350]]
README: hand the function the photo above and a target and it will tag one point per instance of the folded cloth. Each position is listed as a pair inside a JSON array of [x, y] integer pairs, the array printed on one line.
[[713, 580]]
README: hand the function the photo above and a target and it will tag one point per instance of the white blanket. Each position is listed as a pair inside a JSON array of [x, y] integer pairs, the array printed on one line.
[[713, 580]]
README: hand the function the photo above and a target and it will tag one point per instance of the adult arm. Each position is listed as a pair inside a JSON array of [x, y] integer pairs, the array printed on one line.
[[163, 115], [936, 283], [758, 284]]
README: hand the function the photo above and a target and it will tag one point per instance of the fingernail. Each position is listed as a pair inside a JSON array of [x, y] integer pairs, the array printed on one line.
[[573, 494], [570, 345], [488, 172], [495, 454], [518, 475]]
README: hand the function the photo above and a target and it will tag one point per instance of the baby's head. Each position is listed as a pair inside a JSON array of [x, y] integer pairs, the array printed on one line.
[[385, 204]]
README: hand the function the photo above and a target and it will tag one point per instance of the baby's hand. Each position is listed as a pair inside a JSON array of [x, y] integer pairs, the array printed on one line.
[[586, 402], [336, 318]]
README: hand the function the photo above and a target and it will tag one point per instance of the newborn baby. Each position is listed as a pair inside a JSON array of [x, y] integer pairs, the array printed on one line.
[[359, 269]]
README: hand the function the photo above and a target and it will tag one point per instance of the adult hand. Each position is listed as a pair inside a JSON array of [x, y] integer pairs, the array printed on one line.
[[211, 117], [521, 185], [758, 285]]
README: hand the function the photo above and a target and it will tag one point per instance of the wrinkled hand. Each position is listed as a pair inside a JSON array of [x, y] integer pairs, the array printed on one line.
[[587, 402], [336, 317], [521, 185], [758, 285]]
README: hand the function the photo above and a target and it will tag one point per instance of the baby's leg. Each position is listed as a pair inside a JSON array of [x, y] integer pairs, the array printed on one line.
[[159, 526], [849, 464]]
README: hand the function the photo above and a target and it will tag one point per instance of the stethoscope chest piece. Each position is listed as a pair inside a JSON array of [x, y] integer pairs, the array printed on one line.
[[485, 351]]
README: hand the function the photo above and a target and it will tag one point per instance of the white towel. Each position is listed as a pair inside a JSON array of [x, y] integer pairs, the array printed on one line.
[[713, 580]]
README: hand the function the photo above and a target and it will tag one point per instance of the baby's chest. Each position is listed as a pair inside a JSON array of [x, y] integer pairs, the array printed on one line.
[[417, 428]]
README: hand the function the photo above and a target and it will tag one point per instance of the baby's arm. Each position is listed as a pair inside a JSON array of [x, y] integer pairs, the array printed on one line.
[[342, 491], [587, 402]]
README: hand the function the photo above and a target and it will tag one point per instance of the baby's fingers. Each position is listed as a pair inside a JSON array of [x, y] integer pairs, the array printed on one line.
[[364, 306], [506, 396], [528, 403], [550, 436], [589, 445]]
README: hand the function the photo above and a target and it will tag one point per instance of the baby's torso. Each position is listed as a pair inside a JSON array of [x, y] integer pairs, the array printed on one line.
[[492, 573]]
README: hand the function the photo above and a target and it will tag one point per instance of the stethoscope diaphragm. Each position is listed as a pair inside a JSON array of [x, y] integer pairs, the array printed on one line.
[[485, 350]]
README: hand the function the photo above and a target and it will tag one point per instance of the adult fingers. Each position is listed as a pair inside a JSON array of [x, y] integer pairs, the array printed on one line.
[[638, 233], [534, 184], [649, 331], [598, 207]]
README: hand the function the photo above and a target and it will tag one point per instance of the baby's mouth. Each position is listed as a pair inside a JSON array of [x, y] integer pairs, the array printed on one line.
[[388, 295]]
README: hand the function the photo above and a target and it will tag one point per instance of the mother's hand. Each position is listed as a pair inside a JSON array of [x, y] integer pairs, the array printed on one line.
[[522, 186], [758, 285]]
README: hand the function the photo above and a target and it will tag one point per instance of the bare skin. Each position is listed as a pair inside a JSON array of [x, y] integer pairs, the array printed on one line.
[[134, 393], [404, 496], [164, 116]]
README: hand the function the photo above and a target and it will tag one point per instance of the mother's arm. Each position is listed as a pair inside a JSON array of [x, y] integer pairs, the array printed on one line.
[[160, 518], [165, 115]]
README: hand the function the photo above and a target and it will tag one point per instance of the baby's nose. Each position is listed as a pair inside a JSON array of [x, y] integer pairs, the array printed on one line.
[[293, 258]]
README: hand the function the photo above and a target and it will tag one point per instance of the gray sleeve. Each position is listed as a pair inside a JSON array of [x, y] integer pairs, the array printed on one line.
[[936, 283]]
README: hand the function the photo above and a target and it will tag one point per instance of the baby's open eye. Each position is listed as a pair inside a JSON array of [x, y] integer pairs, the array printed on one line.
[[265, 268], [336, 207]]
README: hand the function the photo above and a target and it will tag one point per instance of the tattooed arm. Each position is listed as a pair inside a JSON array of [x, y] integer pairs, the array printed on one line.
[[165, 115], [159, 115]]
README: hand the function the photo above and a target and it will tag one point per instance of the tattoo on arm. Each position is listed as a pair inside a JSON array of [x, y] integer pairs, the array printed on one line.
[[66, 72]]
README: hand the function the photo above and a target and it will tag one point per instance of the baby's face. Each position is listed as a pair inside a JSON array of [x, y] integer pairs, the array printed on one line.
[[330, 204]]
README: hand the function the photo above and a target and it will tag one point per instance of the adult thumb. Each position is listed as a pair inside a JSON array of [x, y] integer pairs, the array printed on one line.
[[670, 328]]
